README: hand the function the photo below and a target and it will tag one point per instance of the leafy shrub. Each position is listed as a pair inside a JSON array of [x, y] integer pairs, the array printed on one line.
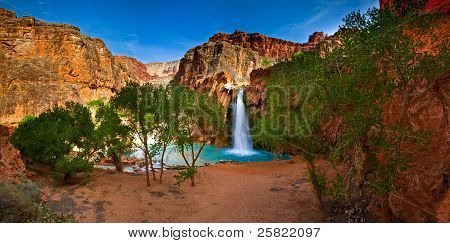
[[15, 206], [183, 175], [54, 133], [45, 215], [266, 63], [351, 81], [337, 190], [68, 166], [318, 180]]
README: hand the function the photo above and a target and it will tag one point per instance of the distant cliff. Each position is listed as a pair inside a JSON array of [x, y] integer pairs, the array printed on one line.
[[227, 60], [162, 72]]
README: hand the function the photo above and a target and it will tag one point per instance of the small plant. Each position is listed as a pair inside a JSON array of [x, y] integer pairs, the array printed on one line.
[[68, 166], [183, 175], [266, 63], [15, 206], [20, 205], [45, 215], [297, 55], [318, 180], [337, 191]]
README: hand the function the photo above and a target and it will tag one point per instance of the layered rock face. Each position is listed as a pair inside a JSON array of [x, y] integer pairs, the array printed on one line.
[[421, 193], [42, 65], [135, 69], [226, 61], [424, 106], [429, 5], [11, 165], [162, 72]]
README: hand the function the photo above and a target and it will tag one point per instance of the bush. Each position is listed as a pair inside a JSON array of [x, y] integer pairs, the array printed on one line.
[[54, 133], [15, 206], [45, 215], [19, 204], [318, 180], [68, 166], [183, 175], [337, 190]]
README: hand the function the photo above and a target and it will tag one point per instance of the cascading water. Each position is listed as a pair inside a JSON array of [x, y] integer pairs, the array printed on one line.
[[241, 150], [242, 141]]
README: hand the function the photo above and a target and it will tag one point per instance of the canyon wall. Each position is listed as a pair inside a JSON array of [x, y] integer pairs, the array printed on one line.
[[226, 61], [162, 72], [44, 64], [421, 193], [11, 165], [428, 6]]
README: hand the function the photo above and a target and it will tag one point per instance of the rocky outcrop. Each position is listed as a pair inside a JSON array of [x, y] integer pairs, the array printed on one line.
[[427, 5], [271, 48], [162, 72], [226, 61], [424, 105], [422, 186], [134, 68], [11, 165], [422, 191], [44, 64]]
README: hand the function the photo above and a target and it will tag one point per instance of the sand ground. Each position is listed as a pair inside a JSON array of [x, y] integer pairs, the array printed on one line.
[[252, 192]]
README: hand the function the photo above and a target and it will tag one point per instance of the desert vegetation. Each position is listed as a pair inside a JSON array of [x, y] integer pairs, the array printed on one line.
[[71, 139], [346, 83], [340, 109]]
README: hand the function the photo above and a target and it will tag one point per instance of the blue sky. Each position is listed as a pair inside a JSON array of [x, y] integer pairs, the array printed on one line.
[[163, 30]]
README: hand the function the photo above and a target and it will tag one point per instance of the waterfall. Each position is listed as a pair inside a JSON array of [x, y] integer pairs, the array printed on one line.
[[242, 140]]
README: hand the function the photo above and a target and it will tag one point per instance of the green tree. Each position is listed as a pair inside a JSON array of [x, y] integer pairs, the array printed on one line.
[[199, 120], [114, 137], [347, 84], [136, 105], [51, 137], [166, 127]]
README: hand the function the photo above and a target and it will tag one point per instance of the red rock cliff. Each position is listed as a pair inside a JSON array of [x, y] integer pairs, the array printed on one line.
[[43, 64], [227, 61], [430, 5], [11, 165]]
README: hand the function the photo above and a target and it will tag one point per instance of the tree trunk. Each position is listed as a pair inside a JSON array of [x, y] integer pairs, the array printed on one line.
[[312, 169], [162, 163], [147, 175], [117, 162], [386, 214], [153, 170], [195, 160]]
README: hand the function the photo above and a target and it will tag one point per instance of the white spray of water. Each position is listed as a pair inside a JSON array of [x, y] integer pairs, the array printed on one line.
[[242, 141]]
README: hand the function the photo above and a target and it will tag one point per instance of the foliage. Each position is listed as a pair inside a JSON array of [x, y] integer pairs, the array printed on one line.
[[68, 166], [45, 215], [183, 175], [350, 82], [54, 133], [337, 191], [114, 137], [16, 206], [198, 118], [318, 180], [266, 63]]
